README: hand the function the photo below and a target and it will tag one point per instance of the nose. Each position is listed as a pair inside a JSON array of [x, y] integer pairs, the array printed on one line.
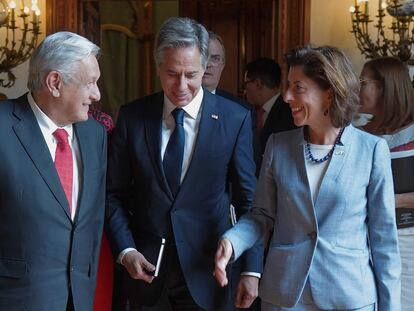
[[209, 65], [95, 93], [288, 97], [182, 83]]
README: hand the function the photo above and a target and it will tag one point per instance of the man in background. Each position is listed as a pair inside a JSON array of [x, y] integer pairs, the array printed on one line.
[[173, 156], [262, 85], [215, 66], [52, 175]]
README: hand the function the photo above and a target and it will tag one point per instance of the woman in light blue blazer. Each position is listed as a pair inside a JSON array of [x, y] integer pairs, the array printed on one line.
[[326, 190]]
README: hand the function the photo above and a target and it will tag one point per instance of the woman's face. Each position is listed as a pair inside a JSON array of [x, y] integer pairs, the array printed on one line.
[[306, 99], [370, 92]]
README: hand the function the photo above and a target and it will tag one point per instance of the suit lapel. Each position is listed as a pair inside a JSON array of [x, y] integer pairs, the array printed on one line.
[[32, 140], [153, 124], [84, 143], [210, 120]]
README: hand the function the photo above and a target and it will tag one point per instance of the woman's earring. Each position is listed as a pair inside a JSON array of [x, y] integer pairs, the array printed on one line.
[[55, 93], [325, 113]]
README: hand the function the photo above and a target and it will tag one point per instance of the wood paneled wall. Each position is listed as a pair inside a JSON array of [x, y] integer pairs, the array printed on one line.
[[250, 29]]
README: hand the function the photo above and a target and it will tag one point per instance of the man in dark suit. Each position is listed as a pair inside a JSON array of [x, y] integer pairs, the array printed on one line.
[[52, 181], [262, 85], [173, 157]]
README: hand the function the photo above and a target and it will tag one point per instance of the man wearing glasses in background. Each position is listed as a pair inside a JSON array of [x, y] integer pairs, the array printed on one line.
[[262, 85]]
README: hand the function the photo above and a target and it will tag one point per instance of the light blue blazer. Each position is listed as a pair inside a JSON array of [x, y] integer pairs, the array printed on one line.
[[344, 244]]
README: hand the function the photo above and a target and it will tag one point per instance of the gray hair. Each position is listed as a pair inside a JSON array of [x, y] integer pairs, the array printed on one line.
[[181, 32], [59, 51]]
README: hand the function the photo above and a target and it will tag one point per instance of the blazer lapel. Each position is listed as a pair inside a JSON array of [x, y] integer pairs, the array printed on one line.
[[335, 166], [153, 124], [300, 164], [31, 137]]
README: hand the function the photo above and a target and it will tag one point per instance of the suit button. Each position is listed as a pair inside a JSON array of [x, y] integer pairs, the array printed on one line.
[[72, 268], [312, 235]]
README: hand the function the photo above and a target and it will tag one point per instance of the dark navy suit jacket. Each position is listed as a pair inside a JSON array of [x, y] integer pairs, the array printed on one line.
[[141, 209], [43, 253]]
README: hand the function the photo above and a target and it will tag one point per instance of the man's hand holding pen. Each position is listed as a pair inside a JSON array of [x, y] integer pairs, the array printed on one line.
[[138, 267]]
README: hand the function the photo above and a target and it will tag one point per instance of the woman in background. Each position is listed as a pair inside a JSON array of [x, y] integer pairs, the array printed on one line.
[[387, 94], [326, 190]]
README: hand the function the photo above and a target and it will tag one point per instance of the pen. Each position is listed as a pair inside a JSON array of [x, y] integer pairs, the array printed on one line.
[[160, 254]]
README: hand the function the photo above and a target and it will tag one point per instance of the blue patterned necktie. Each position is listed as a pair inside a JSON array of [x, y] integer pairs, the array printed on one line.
[[173, 156]]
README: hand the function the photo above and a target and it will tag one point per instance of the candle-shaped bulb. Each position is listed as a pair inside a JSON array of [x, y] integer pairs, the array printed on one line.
[[12, 4]]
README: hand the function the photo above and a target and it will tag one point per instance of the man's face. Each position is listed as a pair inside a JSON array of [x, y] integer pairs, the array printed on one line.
[[180, 74], [79, 93], [215, 65]]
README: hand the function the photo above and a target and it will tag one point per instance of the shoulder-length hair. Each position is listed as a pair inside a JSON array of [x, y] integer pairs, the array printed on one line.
[[397, 101], [331, 69]]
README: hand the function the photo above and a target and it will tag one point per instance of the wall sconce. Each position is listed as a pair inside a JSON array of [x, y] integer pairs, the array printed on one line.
[[401, 30], [19, 28]]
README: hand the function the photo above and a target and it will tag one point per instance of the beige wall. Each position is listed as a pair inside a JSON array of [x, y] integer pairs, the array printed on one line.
[[331, 24], [21, 71]]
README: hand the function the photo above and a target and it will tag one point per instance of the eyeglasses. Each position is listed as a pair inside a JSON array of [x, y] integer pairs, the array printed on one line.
[[364, 82], [215, 60]]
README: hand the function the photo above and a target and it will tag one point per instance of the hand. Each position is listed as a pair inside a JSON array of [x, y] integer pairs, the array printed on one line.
[[223, 255], [137, 266], [247, 291]]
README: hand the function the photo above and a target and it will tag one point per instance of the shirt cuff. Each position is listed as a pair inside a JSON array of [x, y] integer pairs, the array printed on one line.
[[123, 253], [255, 274]]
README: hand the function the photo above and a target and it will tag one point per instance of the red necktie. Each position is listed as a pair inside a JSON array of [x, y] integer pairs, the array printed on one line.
[[64, 163], [259, 117]]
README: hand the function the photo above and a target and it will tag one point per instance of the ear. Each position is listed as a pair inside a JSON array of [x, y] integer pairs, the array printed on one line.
[[54, 83]]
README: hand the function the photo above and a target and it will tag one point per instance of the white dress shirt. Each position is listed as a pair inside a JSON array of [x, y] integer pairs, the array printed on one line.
[[268, 105], [47, 126]]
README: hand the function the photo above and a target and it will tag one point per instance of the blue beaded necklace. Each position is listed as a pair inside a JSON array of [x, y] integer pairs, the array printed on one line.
[[330, 153]]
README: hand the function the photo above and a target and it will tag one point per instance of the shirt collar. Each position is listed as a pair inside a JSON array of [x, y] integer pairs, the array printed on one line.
[[270, 102], [192, 108], [44, 121]]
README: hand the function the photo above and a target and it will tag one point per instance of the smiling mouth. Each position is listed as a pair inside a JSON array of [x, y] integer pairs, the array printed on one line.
[[296, 109]]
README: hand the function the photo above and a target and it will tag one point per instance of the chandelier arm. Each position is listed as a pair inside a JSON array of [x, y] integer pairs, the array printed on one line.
[[401, 37], [19, 41]]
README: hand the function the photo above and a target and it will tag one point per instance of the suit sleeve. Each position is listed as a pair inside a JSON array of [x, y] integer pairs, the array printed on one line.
[[382, 230], [242, 175], [119, 181]]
